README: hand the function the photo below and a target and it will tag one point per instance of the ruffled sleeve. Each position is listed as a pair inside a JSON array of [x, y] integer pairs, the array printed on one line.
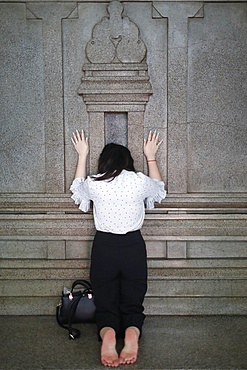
[[155, 192], [80, 191]]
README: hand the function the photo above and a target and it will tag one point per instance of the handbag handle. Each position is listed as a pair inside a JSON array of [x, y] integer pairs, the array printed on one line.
[[73, 332], [83, 283]]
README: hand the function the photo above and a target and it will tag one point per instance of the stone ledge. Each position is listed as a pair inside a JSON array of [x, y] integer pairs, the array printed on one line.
[[173, 288], [129, 1], [153, 306], [205, 203], [228, 273], [68, 226], [196, 306], [159, 267]]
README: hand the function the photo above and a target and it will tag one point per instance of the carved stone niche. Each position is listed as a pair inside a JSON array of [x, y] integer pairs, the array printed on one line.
[[115, 85]]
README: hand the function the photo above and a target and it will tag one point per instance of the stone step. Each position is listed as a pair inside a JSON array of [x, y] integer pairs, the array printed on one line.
[[157, 288], [174, 286], [153, 306], [153, 273], [156, 249]]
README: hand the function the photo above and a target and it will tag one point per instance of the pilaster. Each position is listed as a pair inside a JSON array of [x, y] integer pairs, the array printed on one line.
[[177, 75], [52, 16]]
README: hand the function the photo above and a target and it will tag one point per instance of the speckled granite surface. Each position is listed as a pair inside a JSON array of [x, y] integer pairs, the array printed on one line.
[[179, 342]]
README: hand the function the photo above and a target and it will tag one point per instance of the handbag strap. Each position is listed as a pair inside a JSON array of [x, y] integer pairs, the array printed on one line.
[[73, 332]]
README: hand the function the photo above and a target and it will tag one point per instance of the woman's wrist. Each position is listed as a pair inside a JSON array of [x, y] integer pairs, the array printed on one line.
[[82, 156]]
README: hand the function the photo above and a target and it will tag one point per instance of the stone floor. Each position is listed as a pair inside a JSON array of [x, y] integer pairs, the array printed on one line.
[[207, 342]]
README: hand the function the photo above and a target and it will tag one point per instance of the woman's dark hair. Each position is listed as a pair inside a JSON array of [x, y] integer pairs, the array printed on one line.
[[113, 159]]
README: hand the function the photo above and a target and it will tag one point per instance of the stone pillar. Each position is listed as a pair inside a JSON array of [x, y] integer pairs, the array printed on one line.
[[178, 14], [51, 16]]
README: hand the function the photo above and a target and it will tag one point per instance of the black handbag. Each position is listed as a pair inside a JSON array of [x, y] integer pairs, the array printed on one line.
[[76, 306]]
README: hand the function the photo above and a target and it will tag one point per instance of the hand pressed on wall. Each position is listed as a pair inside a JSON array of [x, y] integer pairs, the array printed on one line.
[[80, 143], [151, 145]]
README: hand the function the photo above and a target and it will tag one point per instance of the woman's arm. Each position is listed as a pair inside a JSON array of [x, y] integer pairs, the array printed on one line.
[[82, 147], [151, 146]]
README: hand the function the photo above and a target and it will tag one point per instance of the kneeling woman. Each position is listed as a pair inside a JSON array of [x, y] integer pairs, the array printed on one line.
[[118, 261]]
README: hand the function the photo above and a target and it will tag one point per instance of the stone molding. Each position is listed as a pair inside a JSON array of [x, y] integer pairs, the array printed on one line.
[[164, 225], [115, 84], [176, 203], [117, 72], [115, 80]]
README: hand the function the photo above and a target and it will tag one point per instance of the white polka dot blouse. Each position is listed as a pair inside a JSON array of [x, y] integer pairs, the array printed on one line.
[[118, 205]]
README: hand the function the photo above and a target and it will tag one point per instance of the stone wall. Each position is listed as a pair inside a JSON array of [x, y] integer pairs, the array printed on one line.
[[118, 70]]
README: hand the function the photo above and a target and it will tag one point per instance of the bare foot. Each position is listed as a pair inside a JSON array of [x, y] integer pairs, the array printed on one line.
[[109, 356], [130, 350]]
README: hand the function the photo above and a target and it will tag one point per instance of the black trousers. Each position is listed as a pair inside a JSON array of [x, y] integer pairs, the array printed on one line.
[[119, 280]]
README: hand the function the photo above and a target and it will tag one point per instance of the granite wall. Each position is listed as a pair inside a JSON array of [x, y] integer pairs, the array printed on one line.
[[117, 70]]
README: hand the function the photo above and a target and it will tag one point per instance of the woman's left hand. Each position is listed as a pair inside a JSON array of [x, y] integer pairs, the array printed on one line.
[[80, 143], [152, 145]]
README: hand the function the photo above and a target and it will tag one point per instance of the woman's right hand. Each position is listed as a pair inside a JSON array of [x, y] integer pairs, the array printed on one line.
[[80, 143]]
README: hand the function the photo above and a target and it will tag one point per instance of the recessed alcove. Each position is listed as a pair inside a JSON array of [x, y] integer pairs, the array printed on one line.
[[116, 128]]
